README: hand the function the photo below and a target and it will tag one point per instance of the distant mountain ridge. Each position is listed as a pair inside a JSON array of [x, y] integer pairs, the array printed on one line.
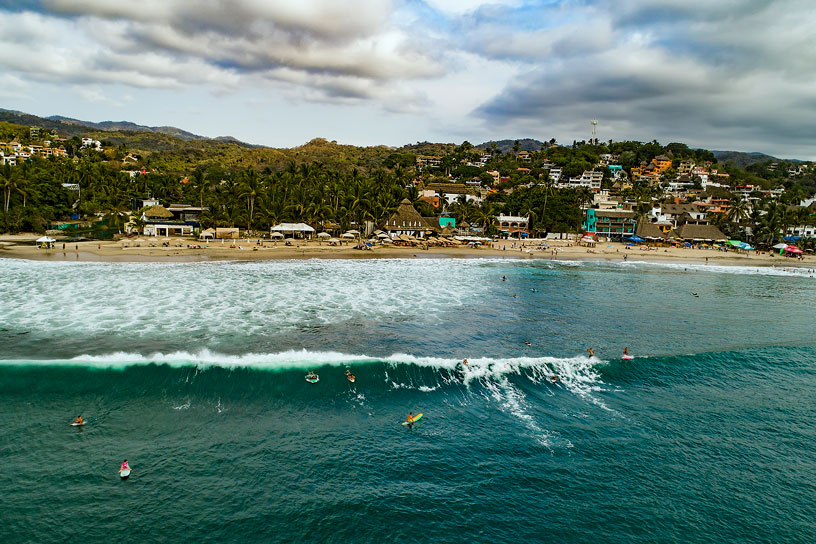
[[743, 159], [77, 127]]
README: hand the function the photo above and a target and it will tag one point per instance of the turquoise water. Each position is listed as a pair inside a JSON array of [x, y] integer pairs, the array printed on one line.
[[194, 372]]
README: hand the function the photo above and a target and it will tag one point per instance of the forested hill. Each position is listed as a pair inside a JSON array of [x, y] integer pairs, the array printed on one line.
[[524, 144]]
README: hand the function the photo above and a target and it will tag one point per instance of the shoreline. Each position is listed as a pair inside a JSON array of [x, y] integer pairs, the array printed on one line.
[[21, 247]]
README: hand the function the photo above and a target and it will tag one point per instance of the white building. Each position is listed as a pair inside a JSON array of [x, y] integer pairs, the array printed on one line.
[[591, 179]]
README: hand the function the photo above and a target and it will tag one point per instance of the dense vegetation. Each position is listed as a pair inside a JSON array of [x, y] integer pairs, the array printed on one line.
[[326, 184]]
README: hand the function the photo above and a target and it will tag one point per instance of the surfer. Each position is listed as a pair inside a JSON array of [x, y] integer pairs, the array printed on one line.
[[410, 419], [504, 278], [78, 421], [465, 362], [591, 352], [349, 375], [553, 378], [311, 377], [527, 342], [124, 466]]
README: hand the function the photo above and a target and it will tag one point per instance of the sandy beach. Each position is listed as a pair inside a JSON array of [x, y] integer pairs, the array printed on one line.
[[22, 246]]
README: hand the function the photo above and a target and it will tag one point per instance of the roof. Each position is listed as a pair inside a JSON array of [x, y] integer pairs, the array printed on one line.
[[649, 231], [159, 212], [406, 218], [614, 213], [451, 188], [662, 158], [292, 227], [432, 223], [678, 209], [698, 232]]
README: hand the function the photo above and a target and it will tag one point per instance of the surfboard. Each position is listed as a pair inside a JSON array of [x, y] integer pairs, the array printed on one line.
[[77, 424], [313, 379], [416, 418], [627, 357], [124, 474], [351, 378]]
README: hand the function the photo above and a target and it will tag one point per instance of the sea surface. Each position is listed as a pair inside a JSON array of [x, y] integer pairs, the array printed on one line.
[[194, 372]]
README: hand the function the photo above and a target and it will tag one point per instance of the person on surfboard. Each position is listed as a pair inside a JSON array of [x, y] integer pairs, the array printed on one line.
[[124, 466], [78, 421], [410, 419], [349, 375], [591, 352], [310, 375]]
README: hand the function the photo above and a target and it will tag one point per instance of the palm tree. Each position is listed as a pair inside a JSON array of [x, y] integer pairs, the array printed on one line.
[[249, 188]]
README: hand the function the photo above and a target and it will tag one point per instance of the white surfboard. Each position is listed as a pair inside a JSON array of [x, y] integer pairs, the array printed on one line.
[[124, 474]]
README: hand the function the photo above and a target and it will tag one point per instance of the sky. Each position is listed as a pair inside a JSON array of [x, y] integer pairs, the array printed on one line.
[[718, 74]]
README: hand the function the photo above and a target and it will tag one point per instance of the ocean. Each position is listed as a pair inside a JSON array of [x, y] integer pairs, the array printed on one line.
[[194, 372]]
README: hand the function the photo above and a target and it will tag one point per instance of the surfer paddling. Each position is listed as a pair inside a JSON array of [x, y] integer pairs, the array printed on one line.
[[78, 421]]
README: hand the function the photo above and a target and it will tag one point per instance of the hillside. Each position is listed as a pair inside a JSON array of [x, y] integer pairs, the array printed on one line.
[[525, 144]]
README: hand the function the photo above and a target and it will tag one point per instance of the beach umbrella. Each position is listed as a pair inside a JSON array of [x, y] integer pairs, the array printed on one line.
[[45, 239], [323, 235], [335, 240], [354, 232], [744, 245], [382, 235], [780, 246], [277, 235], [347, 235], [793, 249], [635, 238]]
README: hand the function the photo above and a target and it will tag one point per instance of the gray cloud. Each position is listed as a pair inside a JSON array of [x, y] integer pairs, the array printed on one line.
[[736, 74], [349, 49]]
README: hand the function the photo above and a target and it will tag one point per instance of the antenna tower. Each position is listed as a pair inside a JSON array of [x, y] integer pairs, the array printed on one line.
[[594, 127]]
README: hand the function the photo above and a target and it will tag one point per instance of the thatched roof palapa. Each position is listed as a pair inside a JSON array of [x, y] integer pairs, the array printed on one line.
[[698, 232], [649, 231], [158, 212], [406, 218]]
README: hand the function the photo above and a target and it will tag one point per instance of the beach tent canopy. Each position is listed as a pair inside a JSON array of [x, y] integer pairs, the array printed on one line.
[[354, 232], [277, 235], [635, 238], [45, 240], [209, 233], [347, 235], [292, 227], [323, 235]]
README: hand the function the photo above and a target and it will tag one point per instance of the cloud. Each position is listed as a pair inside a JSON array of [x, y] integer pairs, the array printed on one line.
[[357, 46], [709, 73]]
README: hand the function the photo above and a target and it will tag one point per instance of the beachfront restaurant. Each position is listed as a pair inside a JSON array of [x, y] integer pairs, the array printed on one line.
[[513, 226], [406, 221], [177, 220]]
